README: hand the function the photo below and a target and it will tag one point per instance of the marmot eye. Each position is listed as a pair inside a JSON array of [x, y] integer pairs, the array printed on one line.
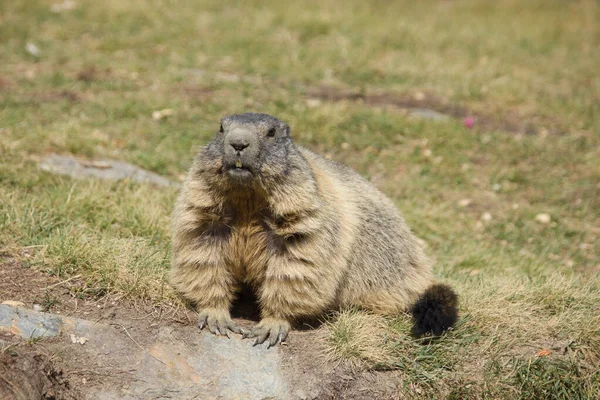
[[271, 132], [221, 129]]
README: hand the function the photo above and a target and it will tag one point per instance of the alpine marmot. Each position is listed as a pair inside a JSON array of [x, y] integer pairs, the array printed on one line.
[[308, 235]]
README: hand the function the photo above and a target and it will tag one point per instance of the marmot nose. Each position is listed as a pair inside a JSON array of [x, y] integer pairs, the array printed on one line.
[[239, 145], [239, 140]]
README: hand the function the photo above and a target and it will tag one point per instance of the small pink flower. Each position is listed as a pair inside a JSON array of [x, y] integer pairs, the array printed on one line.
[[469, 122]]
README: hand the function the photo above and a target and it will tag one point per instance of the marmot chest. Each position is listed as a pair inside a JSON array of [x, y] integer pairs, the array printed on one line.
[[247, 248], [248, 251]]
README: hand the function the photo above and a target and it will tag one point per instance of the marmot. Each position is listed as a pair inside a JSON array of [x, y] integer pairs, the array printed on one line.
[[307, 234]]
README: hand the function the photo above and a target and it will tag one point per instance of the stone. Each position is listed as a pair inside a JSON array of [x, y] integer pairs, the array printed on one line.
[[32, 49], [425, 113], [162, 114], [13, 303], [486, 216], [102, 169], [175, 363], [465, 202], [543, 218]]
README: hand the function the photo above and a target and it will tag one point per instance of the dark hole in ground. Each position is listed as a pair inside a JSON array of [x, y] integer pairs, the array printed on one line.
[[28, 374], [246, 307]]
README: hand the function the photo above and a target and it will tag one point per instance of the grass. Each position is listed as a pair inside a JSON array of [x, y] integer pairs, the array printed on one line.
[[527, 72]]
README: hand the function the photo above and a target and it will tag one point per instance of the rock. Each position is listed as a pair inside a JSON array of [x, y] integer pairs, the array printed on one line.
[[175, 363], [13, 303], [28, 324], [32, 49], [425, 113], [486, 216], [465, 202], [78, 339], [162, 114], [543, 218], [103, 169]]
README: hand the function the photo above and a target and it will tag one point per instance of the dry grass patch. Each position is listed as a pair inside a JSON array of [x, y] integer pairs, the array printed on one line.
[[113, 234], [518, 338]]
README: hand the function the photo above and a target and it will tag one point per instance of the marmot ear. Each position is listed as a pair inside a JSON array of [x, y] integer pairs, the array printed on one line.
[[286, 129]]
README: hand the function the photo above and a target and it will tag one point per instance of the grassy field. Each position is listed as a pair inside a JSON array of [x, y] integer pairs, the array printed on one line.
[[527, 72]]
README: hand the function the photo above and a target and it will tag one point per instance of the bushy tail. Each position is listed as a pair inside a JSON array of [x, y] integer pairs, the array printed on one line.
[[435, 311]]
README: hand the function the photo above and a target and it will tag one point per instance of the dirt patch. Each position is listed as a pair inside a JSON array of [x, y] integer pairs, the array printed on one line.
[[54, 367], [510, 121], [48, 293], [54, 95], [26, 373], [198, 92], [92, 73], [48, 96], [20, 282], [5, 83]]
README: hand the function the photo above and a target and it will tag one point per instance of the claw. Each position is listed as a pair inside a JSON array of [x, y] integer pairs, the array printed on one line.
[[222, 329], [274, 330], [202, 320], [234, 328], [217, 322], [282, 336], [261, 338], [272, 341]]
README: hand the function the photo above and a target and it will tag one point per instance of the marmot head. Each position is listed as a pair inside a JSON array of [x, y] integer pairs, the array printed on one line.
[[249, 149]]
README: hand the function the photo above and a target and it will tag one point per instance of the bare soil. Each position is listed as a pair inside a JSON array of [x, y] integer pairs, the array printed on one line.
[[27, 372], [51, 369]]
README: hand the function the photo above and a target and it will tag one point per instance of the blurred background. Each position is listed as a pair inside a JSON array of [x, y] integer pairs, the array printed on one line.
[[480, 119]]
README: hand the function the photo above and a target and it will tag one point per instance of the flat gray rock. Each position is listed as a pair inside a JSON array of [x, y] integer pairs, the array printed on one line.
[[171, 364], [426, 113], [103, 169]]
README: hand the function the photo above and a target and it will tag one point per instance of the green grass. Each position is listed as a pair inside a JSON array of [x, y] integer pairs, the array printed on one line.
[[105, 67]]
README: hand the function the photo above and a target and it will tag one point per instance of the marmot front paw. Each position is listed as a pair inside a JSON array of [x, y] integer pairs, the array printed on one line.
[[276, 330], [218, 322]]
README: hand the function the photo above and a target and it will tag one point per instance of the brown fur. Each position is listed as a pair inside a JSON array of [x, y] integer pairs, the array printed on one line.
[[309, 236]]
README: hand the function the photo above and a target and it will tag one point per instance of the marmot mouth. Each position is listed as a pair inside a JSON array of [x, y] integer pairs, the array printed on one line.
[[239, 173]]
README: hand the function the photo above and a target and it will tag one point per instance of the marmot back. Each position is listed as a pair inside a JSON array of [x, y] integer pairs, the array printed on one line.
[[307, 234]]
